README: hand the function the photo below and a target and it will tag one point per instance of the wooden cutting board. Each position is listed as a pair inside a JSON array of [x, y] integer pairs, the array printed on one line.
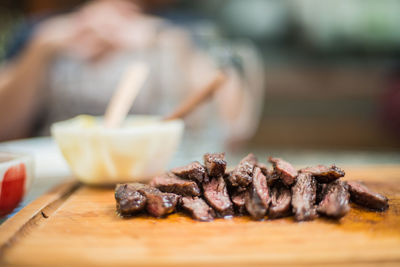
[[77, 225]]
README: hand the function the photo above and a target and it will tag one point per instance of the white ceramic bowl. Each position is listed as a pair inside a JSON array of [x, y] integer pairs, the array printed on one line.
[[16, 176], [137, 151]]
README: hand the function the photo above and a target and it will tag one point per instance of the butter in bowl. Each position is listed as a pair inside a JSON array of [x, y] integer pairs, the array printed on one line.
[[137, 151]]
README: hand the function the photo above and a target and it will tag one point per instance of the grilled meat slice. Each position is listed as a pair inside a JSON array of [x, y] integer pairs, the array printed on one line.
[[239, 200], [158, 204], [325, 174], [335, 201], [241, 176], [257, 198], [216, 194], [303, 197], [281, 198], [367, 198], [197, 208], [264, 169], [170, 183], [193, 171], [284, 170], [215, 164], [129, 200]]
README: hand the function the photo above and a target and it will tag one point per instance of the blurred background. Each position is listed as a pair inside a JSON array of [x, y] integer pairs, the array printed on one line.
[[331, 68]]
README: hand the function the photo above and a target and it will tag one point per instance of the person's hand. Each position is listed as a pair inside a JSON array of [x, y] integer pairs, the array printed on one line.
[[96, 30], [56, 35]]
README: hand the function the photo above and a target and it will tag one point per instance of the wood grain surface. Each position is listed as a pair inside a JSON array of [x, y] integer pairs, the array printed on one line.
[[77, 225]]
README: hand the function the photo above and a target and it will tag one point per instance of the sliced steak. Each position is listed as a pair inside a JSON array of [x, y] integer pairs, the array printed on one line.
[[284, 170], [335, 202], [303, 197], [239, 202], [325, 174], [257, 198], [193, 171], [263, 168], [129, 200], [197, 208], [215, 164], [281, 198], [365, 197], [158, 203], [216, 194], [161, 204], [171, 183], [242, 175]]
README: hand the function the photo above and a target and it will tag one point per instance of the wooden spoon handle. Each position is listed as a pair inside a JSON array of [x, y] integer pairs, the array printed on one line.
[[126, 92], [197, 98]]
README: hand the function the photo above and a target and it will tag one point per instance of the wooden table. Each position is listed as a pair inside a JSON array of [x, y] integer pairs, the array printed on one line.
[[77, 225]]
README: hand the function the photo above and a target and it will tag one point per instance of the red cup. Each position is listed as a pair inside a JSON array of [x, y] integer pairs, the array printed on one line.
[[16, 176]]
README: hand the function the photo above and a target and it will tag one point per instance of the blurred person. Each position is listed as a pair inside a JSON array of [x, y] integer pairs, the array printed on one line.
[[71, 63]]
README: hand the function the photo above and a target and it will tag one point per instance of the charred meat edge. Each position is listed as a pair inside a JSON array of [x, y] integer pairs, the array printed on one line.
[[284, 170], [324, 174], [241, 176], [215, 164]]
